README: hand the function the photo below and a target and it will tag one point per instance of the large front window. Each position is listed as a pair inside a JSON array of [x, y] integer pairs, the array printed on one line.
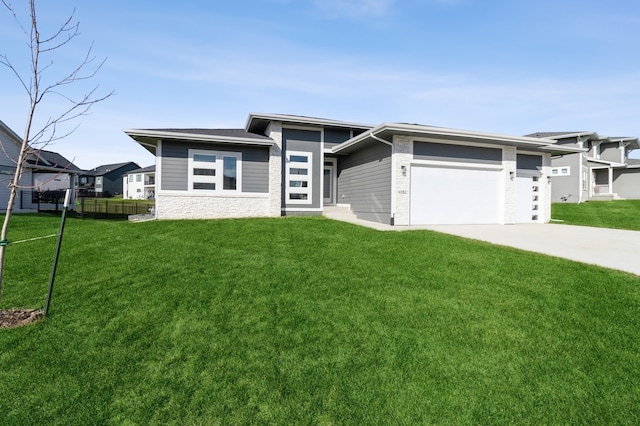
[[298, 177], [214, 171]]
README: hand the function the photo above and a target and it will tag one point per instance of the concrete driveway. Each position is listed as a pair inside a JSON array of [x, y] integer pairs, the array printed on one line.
[[611, 248]]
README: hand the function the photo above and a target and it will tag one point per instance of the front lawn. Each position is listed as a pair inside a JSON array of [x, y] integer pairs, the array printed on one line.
[[621, 214], [311, 321]]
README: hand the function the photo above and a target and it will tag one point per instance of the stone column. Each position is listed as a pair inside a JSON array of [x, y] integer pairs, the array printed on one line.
[[403, 153], [545, 185], [274, 131], [509, 162]]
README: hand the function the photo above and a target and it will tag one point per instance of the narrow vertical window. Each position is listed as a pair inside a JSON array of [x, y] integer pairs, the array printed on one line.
[[230, 173], [299, 177]]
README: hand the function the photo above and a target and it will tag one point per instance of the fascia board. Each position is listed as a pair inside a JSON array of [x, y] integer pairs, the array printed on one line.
[[356, 140], [575, 135], [540, 144], [196, 137], [606, 162], [440, 131], [13, 135], [302, 120]]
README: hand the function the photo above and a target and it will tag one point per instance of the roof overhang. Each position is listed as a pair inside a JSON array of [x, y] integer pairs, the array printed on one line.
[[258, 123], [46, 169], [149, 139], [614, 164], [386, 131]]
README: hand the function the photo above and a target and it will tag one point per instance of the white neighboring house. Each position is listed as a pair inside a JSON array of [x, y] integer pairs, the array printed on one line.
[[140, 184], [43, 171]]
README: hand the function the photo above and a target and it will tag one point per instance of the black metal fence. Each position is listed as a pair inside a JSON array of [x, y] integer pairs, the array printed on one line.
[[106, 208], [92, 208]]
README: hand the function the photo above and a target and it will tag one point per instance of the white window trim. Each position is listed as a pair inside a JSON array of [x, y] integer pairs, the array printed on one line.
[[218, 179], [305, 178], [561, 171]]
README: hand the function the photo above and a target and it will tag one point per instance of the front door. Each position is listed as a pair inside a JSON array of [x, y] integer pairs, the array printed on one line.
[[329, 183]]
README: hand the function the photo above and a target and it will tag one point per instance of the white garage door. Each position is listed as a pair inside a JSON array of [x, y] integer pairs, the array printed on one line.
[[442, 195], [527, 197]]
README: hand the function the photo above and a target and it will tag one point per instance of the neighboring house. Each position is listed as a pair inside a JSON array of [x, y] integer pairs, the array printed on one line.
[[393, 173], [104, 181], [602, 171], [139, 184], [52, 172], [43, 171]]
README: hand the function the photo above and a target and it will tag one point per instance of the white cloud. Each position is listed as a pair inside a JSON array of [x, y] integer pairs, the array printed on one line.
[[354, 8]]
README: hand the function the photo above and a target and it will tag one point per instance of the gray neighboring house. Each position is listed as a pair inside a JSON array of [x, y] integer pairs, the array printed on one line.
[[43, 171], [393, 173], [105, 180], [602, 171]]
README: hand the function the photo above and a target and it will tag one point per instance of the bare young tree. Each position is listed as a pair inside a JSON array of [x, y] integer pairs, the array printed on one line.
[[39, 86]]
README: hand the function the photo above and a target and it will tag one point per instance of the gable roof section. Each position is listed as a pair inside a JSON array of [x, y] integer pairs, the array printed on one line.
[[563, 135], [13, 135], [632, 143], [107, 168], [257, 122], [50, 159], [149, 138], [149, 169], [384, 132]]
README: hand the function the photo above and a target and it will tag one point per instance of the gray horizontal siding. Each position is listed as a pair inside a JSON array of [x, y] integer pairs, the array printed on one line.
[[626, 183], [610, 152], [566, 186], [8, 155], [364, 182], [175, 165], [458, 153]]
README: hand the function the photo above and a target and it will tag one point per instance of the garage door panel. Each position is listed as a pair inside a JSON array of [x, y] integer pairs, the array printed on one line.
[[441, 195]]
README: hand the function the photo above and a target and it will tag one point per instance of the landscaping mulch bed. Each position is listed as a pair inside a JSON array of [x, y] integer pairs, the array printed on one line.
[[10, 318]]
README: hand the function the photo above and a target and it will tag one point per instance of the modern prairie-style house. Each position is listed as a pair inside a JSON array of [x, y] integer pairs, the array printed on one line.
[[601, 171], [105, 180], [139, 184], [393, 173]]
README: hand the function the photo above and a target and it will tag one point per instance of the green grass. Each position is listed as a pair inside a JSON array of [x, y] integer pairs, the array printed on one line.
[[311, 321], [621, 214]]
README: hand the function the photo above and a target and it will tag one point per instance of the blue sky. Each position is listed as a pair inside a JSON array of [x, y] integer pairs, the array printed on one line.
[[503, 66]]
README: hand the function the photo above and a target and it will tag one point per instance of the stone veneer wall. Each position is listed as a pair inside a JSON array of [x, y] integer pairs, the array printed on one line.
[[179, 206]]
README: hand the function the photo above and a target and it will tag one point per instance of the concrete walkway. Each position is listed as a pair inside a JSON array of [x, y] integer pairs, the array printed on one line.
[[610, 248]]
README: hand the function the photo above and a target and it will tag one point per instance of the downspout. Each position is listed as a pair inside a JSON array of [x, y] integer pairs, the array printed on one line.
[[393, 175], [581, 173]]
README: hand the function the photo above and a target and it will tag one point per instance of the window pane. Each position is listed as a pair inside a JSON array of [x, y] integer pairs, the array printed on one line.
[[204, 185], [205, 158], [298, 196], [204, 172], [130, 178], [299, 158], [298, 171], [230, 173], [298, 184]]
